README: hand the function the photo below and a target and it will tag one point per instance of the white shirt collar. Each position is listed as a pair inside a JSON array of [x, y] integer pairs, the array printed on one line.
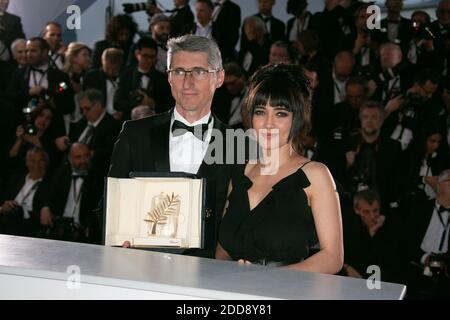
[[209, 25], [179, 117], [95, 124], [28, 178]]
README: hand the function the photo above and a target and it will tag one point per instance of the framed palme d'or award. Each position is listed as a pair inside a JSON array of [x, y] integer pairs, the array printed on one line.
[[155, 212]]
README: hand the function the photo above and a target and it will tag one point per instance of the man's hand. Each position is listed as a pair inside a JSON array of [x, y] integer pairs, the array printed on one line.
[[351, 272], [350, 156], [360, 42], [46, 217], [394, 104], [378, 225], [242, 261], [9, 206], [62, 142], [432, 182], [35, 91], [126, 244]]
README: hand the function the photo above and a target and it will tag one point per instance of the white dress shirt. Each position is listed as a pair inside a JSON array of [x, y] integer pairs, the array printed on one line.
[[392, 31], [298, 27], [339, 89], [144, 80], [25, 196], [204, 31], [426, 171], [72, 209], [111, 88], [186, 152], [436, 228], [38, 78]]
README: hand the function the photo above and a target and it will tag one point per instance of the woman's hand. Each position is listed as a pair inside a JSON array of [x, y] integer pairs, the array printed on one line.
[[20, 132], [242, 261]]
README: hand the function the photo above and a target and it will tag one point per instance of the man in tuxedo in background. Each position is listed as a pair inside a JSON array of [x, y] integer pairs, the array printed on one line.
[[22, 196], [42, 82], [166, 142], [142, 82], [68, 213], [106, 79], [10, 30], [97, 129], [227, 21], [53, 35], [182, 17], [398, 28]]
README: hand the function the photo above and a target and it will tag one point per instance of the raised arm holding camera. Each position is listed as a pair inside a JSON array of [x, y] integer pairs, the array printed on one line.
[[42, 82]]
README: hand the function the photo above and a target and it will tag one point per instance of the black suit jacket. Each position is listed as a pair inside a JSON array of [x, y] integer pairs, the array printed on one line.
[[404, 33], [96, 79], [227, 29], [12, 29], [143, 146], [180, 20], [59, 191], [277, 29], [64, 101], [102, 141], [158, 89]]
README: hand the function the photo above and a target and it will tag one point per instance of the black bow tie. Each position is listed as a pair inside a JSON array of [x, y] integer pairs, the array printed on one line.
[[141, 74], [443, 209], [38, 70], [78, 176], [179, 129]]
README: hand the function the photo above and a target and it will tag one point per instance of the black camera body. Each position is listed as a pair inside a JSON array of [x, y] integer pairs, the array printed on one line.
[[136, 97], [422, 31], [135, 7], [28, 124]]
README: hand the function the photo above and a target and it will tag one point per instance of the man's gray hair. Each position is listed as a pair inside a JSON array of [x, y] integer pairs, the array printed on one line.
[[444, 175], [193, 43], [343, 54], [259, 23], [93, 95], [16, 43], [38, 150]]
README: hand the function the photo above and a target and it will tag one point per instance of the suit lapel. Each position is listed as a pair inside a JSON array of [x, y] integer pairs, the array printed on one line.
[[160, 144]]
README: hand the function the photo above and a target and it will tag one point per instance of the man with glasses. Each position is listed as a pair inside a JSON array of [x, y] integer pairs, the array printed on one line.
[[179, 140], [142, 84]]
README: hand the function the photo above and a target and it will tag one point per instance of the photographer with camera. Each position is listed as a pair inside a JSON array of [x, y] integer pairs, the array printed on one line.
[[10, 30], [76, 188], [428, 242], [421, 48], [406, 117], [22, 196], [119, 34], [138, 84], [363, 46], [34, 133], [42, 82], [373, 161]]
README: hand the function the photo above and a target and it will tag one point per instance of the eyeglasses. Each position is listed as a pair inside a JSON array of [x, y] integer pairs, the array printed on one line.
[[197, 73]]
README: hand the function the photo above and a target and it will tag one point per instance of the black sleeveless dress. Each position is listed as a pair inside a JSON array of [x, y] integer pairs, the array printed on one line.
[[279, 230]]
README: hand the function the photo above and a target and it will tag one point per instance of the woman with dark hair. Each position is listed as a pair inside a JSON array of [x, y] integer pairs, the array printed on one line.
[[426, 162], [38, 134], [281, 204], [120, 33]]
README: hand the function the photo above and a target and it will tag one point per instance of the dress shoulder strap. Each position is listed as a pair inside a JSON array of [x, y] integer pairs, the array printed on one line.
[[305, 164]]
